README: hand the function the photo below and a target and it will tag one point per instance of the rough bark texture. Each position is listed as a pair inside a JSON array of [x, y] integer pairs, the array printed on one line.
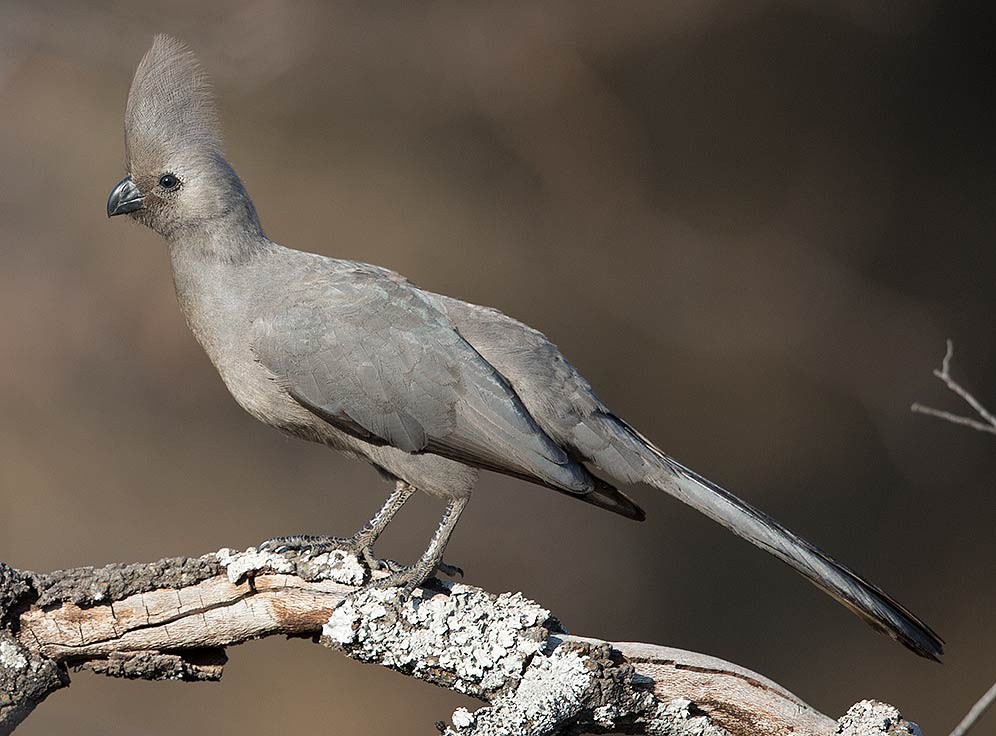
[[172, 619]]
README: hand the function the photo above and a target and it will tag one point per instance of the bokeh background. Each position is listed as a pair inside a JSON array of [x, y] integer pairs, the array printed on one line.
[[751, 225]]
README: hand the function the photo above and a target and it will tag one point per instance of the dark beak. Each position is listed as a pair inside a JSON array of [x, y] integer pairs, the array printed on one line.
[[124, 198]]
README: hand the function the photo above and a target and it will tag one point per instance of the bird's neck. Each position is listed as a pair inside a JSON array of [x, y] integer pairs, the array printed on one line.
[[212, 273], [234, 237], [233, 241]]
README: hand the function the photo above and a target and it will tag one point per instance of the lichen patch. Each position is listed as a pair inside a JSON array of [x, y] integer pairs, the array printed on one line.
[[11, 657], [240, 565], [470, 640]]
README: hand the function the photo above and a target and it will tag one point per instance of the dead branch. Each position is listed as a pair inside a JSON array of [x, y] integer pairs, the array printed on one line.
[[944, 374], [989, 425], [172, 619], [976, 712]]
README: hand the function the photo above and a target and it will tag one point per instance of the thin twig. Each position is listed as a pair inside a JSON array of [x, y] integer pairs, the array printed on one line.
[[953, 418], [989, 425], [976, 712], [944, 374]]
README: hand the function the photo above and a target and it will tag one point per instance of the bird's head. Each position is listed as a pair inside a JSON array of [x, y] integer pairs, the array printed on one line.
[[178, 179]]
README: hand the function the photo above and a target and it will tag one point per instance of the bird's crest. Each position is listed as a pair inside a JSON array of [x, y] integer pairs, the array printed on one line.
[[170, 105]]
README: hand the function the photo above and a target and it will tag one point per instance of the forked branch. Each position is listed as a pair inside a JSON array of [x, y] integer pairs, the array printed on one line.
[[988, 423]]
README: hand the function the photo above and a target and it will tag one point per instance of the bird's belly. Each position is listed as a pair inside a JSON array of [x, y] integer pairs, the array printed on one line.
[[255, 390], [429, 473], [260, 395]]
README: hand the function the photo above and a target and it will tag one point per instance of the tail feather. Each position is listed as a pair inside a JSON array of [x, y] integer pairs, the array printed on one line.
[[611, 499], [869, 602]]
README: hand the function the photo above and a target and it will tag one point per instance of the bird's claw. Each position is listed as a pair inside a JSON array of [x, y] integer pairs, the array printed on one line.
[[387, 565], [450, 571]]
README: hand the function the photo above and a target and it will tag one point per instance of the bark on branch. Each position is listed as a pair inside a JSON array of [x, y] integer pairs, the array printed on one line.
[[172, 619]]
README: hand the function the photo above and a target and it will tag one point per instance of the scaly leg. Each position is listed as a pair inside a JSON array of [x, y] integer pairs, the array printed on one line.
[[409, 578], [361, 542]]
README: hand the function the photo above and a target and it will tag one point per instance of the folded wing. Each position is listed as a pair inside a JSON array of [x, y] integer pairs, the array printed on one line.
[[375, 357]]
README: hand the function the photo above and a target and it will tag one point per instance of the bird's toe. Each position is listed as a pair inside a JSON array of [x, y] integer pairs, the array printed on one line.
[[450, 571], [309, 543]]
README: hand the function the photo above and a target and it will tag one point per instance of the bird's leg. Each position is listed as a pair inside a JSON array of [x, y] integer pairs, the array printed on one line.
[[409, 578], [360, 542], [364, 539]]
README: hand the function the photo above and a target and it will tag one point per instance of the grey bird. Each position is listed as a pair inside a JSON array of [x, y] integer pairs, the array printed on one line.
[[428, 389]]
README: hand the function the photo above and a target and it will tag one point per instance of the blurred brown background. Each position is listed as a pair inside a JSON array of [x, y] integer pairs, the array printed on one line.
[[751, 228]]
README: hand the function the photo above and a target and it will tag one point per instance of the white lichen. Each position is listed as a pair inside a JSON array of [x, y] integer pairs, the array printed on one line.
[[463, 718], [871, 716], [339, 566], [674, 718], [11, 657], [239, 565], [481, 642], [497, 648], [550, 693], [557, 689]]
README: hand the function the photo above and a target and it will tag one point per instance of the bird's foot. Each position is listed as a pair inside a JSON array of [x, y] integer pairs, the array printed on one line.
[[393, 566], [409, 577], [404, 576], [314, 544]]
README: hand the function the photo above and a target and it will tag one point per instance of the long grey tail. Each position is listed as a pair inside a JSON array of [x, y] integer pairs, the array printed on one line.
[[869, 602]]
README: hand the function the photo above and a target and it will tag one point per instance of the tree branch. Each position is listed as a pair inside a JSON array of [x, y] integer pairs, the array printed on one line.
[[976, 712], [172, 619], [944, 374]]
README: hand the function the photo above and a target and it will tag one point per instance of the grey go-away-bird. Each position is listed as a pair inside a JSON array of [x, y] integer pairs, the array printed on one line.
[[428, 389]]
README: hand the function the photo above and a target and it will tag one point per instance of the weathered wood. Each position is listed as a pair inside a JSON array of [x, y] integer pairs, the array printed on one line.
[[172, 620]]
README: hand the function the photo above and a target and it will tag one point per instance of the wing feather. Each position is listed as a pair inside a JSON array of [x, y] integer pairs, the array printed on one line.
[[376, 358]]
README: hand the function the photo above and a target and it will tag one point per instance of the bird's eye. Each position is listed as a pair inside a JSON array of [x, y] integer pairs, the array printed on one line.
[[169, 182]]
